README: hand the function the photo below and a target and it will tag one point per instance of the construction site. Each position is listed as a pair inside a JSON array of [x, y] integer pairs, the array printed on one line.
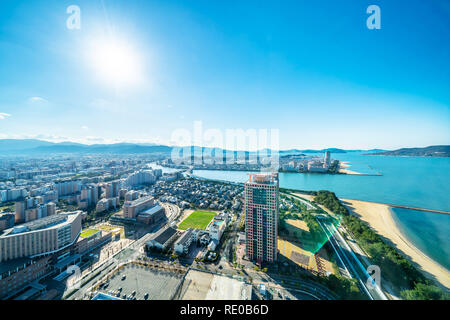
[[206, 286], [301, 252]]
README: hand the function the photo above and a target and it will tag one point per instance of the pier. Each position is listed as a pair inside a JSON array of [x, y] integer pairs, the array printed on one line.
[[418, 209], [405, 207]]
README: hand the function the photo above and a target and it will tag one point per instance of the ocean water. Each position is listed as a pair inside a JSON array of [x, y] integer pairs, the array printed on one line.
[[430, 233], [421, 182]]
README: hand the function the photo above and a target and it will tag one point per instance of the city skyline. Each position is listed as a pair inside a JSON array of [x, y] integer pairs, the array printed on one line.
[[322, 84]]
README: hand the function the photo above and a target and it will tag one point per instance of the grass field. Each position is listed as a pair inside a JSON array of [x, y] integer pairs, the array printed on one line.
[[198, 220], [88, 233]]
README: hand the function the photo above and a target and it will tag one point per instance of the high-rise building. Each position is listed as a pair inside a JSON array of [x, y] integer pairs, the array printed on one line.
[[112, 189], [68, 187], [261, 217], [141, 177], [327, 159], [89, 196], [12, 194], [32, 208]]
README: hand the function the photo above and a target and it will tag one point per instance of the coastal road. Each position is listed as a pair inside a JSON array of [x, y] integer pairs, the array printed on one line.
[[352, 264]]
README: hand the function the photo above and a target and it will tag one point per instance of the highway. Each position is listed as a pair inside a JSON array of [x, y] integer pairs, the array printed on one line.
[[352, 264]]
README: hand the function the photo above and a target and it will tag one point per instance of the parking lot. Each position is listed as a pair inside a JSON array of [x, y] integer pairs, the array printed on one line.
[[136, 282]]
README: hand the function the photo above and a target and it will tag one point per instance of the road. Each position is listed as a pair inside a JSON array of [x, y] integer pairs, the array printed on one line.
[[348, 262], [352, 264]]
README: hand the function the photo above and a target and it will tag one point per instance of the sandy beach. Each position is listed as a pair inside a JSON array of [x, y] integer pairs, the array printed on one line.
[[379, 217], [342, 168]]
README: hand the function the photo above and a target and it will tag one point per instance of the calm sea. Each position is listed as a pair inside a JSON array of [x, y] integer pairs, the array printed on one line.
[[410, 181]]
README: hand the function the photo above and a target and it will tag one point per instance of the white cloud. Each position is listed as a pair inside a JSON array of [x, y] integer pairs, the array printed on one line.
[[4, 115], [84, 127], [37, 99]]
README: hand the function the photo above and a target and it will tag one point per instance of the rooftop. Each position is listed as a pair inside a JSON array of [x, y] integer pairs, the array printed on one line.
[[138, 201], [164, 234], [88, 232], [263, 178], [152, 210], [43, 223], [185, 237]]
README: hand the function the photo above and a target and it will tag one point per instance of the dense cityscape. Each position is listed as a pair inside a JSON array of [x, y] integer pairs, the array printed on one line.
[[97, 216], [126, 227]]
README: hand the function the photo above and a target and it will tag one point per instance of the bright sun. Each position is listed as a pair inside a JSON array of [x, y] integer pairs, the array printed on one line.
[[115, 62]]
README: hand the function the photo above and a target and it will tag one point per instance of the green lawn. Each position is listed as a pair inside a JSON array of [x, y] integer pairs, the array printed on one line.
[[88, 233], [197, 219]]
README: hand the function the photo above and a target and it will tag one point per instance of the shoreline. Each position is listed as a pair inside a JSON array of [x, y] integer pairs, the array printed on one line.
[[343, 165], [380, 218], [342, 168]]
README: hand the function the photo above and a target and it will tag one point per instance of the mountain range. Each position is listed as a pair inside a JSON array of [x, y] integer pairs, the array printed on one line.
[[37, 147]]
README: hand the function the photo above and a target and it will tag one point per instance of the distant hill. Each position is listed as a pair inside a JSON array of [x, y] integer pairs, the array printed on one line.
[[34, 147], [370, 150], [332, 150], [7, 145], [103, 148], [432, 151]]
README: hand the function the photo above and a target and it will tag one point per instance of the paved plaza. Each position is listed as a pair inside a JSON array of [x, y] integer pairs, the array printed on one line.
[[157, 284]]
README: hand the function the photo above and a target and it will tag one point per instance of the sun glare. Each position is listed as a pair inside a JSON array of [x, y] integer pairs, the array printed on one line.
[[115, 62]]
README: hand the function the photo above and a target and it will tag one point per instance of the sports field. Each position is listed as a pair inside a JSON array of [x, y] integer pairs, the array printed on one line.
[[198, 220]]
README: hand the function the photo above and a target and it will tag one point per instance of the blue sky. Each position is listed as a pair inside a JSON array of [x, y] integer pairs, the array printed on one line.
[[311, 69]]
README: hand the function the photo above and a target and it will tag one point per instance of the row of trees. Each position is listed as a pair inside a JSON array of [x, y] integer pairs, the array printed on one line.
[[345, 288], [315, 230], [329, 200]]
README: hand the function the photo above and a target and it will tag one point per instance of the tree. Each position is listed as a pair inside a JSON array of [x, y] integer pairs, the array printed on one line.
[[424, 291]]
